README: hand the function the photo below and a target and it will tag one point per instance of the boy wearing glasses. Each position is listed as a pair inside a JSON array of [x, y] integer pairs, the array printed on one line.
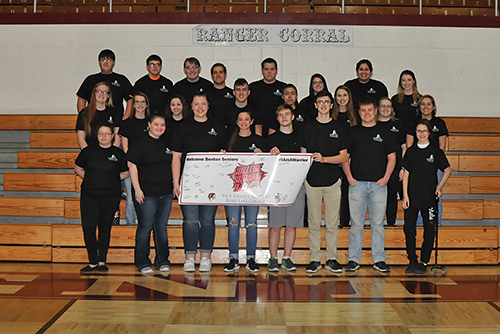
[[326, 139], [192, 83], [157, 87], [121, 88]]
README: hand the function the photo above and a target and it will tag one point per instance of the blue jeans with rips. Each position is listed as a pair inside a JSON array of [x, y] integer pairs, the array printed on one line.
[[233, 214], [198, 226]]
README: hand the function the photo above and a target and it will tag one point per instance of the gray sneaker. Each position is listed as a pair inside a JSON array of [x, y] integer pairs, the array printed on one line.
[[272, 264], [147, 270], [288, 265]]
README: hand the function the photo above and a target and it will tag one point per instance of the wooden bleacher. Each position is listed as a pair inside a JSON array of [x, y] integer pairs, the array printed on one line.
[[472, 198], [385, 7]]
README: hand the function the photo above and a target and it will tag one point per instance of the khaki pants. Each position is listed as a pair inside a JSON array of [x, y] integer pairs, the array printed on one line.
[[331, 196]]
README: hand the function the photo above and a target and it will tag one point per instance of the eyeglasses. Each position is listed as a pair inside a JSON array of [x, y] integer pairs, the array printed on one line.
[[106, 60], [107, 134], [101, 92], [140, 102], [422, 131], [317, 82], [154, 64], [324, 103], [192, 67]]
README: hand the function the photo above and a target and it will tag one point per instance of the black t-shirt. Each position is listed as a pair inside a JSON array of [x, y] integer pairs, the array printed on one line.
[[248, 144], [193, 136], [230, 116], [369, 148], [308, 109], [109, 115], [396, 130], [267, 98], [438, 127], [220, 100], [373, 89], [102, 170], [121, 88], [133, 129], [158, 91], [328, 139], [405, 111], [301, 118], [153, 159], [285, 142], [423, 163], [187, 89], [173, 127]]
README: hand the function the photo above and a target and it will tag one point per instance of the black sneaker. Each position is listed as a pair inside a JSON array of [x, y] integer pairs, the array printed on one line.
[[411, 268], [352, 266], [88, 269], [333, 266], [233, 265], [251, 265], [273, 265], [288, 265], [116, 218], [421, 268], [382, 267], [102, 268], [313, 267]]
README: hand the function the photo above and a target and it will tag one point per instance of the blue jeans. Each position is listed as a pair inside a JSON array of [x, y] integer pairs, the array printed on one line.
[[364, 195], [130, 211], [233, 214], [198, 225], [152, 215]]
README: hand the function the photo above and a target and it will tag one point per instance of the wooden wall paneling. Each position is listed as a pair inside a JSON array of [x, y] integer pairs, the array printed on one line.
[[47, 159], [25, 234], [32, 206], [39, 182]]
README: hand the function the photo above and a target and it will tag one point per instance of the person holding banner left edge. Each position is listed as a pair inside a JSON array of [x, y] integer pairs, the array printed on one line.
[[198, 134]]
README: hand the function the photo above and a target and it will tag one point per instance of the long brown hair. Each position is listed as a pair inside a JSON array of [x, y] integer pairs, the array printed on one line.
[[90, 109], [234, 136], [147, 112], [350, 106], [401, 94]]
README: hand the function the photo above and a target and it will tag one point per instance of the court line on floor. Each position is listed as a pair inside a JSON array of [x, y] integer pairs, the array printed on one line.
[[495, 306], [56, 316]]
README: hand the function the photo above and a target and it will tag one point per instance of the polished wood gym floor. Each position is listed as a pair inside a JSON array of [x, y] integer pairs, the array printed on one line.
[[55, 298]]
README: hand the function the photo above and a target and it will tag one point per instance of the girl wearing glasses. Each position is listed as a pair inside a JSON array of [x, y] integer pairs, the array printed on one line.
[[133, 128], [101, 167], [394, 126], [99, 110], [316, 85], [420, 188]]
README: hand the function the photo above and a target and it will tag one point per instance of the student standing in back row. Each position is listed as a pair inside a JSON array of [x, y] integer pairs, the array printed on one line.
[[372, 160]]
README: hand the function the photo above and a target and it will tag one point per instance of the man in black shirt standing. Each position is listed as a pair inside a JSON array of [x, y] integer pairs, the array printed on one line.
[[267, 96], [220, 96], [121, 88], [372, 160], [154, 85], [192, 83]]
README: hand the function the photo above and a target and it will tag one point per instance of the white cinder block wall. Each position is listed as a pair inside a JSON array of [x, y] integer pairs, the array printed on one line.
[[42, 66]]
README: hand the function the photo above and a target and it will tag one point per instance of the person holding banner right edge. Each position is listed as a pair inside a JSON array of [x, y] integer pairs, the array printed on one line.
[[420, 188]]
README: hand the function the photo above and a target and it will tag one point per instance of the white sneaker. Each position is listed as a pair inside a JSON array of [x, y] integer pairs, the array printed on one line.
[[205, 264], [147, 270], [189, 265], [164, 268]]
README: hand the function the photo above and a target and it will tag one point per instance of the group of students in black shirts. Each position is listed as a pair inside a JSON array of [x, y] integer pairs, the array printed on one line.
[[362, 158]]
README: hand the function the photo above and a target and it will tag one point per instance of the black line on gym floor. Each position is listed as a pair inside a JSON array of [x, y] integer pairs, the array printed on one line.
[[495, 306], [56, 317]]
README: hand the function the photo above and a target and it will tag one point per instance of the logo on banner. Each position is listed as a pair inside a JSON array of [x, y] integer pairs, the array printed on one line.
[[247, 176]]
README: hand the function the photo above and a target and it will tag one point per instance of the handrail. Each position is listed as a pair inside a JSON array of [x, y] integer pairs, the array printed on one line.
[[342, 11]]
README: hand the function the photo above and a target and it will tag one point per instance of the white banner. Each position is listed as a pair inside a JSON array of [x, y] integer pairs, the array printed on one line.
[[243, 178], [273, 34]]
